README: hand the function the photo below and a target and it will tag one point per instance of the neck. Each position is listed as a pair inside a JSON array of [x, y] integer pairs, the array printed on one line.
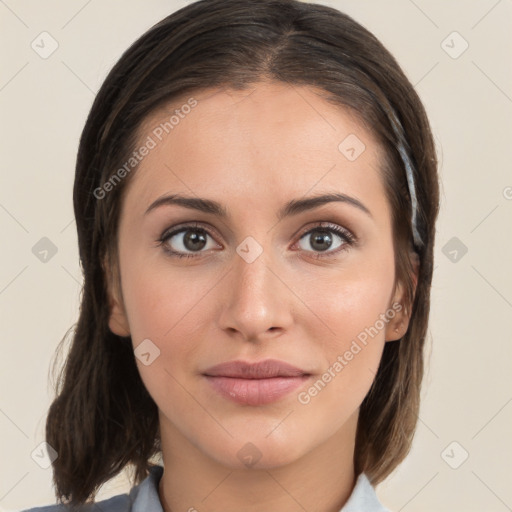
[[321, 480]]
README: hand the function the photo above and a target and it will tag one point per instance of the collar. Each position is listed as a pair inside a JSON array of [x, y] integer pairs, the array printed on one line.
[[145, 496]]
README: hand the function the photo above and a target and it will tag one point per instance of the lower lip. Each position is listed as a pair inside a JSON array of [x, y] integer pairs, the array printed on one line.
[[255, 391]]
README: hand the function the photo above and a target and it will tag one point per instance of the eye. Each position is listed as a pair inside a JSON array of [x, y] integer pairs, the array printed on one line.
[[320, 238], [186, 238], [189, 241]]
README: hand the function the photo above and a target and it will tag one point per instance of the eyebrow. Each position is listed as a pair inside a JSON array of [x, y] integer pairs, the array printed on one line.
[[293, 207]]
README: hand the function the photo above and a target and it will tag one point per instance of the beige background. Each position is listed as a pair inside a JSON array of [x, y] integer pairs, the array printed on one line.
[[467, 392]]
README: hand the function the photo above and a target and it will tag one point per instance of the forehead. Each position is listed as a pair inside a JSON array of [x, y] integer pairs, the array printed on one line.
[[268, 143]]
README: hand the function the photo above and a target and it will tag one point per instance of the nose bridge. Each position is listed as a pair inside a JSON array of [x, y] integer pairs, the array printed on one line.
[[255, 298], [252, 279]]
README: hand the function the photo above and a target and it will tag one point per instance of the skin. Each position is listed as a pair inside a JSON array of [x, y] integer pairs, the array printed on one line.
[[253, 151]]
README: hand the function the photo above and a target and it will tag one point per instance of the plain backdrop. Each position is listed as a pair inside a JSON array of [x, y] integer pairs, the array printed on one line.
[[458, 56]]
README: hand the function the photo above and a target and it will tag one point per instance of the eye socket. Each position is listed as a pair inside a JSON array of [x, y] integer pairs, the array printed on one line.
[[194, 238], [324, 235]]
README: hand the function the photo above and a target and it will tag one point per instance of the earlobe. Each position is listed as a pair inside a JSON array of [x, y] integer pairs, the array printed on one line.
[[398, 325], [117, 322]]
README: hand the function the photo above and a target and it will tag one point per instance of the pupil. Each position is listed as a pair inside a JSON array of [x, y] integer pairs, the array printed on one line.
[[323, 239], [194, 240]]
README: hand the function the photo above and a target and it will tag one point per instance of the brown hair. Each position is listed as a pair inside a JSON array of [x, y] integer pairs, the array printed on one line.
[[103, 418]]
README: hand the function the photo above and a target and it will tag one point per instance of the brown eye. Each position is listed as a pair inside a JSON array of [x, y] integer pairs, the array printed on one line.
[[192, 241], [187, 241], [326, 239]]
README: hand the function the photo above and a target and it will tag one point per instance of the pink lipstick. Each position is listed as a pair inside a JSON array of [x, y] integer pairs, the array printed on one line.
[[255, 383]]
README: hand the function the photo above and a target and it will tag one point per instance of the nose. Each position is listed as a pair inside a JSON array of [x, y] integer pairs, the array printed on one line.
[[257, 302]]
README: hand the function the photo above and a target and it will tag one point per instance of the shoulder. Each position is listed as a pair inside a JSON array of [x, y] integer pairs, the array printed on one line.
[[119, 503], [363, 497], [140, 496]]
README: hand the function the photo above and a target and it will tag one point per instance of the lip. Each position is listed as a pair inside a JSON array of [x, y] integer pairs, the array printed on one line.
[[255, 383], [260, 370]]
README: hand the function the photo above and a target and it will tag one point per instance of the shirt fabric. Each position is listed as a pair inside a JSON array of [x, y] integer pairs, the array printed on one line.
[[144, 498]]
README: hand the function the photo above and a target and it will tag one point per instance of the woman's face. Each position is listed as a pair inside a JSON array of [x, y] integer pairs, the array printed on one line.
[[264, 281]]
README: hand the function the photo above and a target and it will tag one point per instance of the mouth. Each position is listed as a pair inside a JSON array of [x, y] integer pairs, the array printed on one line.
[[255, 383], [266, 369]]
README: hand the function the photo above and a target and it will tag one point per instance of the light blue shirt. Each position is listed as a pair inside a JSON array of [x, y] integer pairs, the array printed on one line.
[[144, 498]]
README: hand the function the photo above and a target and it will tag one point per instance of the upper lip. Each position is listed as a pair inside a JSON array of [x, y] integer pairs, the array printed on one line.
[[261, 370]]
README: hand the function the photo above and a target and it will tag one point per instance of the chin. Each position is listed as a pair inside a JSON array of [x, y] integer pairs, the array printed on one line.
[[259, 451]]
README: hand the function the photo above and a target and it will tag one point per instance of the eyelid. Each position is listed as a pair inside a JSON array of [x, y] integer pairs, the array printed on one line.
[[183, 227], [328, 225], [337, 229], [180, 227], [348, 238]]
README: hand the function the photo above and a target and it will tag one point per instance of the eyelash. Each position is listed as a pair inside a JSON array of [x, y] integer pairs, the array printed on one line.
[[349, 239]]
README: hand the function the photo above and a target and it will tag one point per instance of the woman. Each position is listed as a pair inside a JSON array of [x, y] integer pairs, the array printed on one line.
[[256, 194]]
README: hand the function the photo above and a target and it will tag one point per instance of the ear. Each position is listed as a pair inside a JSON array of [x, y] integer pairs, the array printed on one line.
[[118, 320], [398, 325]]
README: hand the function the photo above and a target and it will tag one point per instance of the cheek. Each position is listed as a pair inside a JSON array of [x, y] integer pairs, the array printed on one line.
[[354, 311], [351, 300], [165, 306], [160, 300], [170, 308]]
